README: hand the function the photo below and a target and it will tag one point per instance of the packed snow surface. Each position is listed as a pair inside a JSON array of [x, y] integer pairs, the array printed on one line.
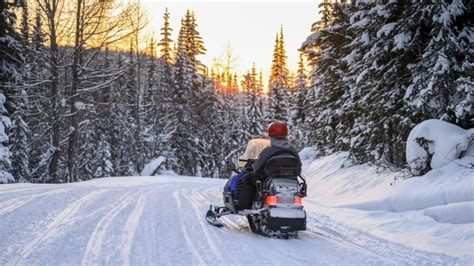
[[160, 220]]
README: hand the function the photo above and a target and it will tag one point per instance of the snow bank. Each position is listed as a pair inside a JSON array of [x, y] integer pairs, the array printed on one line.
[[433, 212], [452, 183], [442, 141], [333, 184], [363, 187], [456, 213], [308, 154], [151, 167]]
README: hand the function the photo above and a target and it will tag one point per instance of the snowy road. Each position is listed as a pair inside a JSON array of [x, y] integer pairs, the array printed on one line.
[[160, 220]]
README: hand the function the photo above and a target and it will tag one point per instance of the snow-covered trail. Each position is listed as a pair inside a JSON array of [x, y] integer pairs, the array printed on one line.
[[160, 220]]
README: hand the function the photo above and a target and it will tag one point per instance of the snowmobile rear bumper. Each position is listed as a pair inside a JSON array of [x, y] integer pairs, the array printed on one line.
[[286, 219]]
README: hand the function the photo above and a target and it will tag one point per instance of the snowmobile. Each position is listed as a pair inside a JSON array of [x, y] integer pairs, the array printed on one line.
[[277, 209]]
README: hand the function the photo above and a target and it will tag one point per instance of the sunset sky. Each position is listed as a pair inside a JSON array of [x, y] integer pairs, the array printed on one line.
[[249, 27]]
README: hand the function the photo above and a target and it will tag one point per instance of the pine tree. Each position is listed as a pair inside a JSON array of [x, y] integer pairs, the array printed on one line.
[[165, 42], [39, 103], [165, 125], [25, 25], [119, 115], [196, 43], [254, 114], [325, 8], [37, 35], [442, 77], [379, 68], [296, 112], [101, 125], [133, 100], [278, 84], [10, 75], [19, 139], [182, 88], [19, 131]]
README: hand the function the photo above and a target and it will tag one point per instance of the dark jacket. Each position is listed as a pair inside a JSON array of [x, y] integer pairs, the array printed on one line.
[[278, 145]]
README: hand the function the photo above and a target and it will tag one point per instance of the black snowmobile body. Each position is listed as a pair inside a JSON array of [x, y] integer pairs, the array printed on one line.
[[277, 209]]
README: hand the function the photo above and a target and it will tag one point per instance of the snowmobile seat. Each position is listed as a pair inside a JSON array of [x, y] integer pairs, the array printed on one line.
[[283, 165]]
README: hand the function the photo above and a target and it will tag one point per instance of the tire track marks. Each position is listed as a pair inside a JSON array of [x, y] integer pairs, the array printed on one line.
[[358, 239], [193, 198], [13, 204], [9, 191], [94, 245], [62, 219], [191, 245], [183, 216], [131, 227]]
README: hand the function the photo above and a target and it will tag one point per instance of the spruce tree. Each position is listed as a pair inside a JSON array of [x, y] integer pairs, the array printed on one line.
[[182, 88], [297, 111], [381, 67], [297, 115], [165, 41], [254, 113], [278, 84], [19, 139], [25, 25], [10, 75]]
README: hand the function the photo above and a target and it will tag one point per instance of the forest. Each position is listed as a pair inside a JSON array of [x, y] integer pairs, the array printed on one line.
[[81, 97]]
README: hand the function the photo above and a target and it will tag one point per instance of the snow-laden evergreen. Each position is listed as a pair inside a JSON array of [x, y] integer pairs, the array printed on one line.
[[279, 84], [11, 75], [381, 67], [85, 112]]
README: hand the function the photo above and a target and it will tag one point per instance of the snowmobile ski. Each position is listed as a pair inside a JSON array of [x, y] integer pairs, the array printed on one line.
[[212, 218]]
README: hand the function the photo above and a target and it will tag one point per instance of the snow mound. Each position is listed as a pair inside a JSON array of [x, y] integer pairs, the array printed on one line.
[[152, 167], [455, 213], [452, 183], [435, 143], [433, 212], [308, 154], [334, 184]]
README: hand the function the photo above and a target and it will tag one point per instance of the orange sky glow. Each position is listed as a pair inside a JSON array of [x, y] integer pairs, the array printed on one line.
[[248, 27]]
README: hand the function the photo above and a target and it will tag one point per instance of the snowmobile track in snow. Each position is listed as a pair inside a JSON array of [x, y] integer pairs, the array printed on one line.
[[66, 217], [10, 205], [329, 229]]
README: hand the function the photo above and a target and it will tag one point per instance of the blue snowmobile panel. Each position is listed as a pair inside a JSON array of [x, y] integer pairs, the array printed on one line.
[[231, 185]]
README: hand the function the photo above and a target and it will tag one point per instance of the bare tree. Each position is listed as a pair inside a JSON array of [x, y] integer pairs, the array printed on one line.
[[52, 10], [98, 24]]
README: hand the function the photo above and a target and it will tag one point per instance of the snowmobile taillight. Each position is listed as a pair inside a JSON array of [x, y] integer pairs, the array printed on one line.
[[271, 200], [297, 200]]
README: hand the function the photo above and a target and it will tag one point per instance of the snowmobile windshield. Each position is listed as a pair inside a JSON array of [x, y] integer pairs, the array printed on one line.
[[253, 150]]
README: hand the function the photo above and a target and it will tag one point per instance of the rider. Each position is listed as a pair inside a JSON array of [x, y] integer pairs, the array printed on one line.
[[278, 132]]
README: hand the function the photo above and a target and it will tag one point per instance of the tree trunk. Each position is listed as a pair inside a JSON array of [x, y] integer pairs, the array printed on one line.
[[74, 119], [55, 120]]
